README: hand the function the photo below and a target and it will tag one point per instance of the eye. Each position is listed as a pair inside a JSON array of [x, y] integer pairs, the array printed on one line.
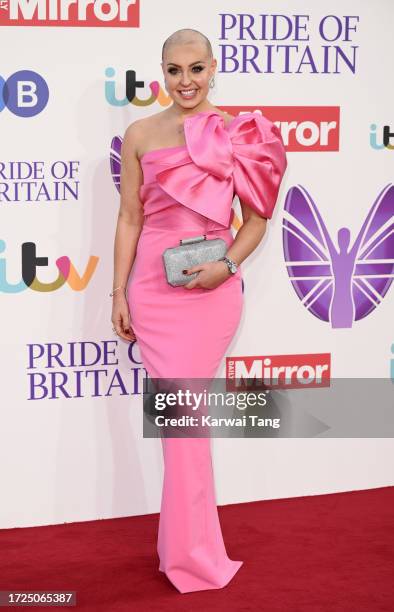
[[195, 69]]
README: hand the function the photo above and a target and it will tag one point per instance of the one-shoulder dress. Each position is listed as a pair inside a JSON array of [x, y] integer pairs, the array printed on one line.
[[188, 190]]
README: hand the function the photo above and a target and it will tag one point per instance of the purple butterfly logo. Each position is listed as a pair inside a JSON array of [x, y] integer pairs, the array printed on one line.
[[339, 284], [115, 160]]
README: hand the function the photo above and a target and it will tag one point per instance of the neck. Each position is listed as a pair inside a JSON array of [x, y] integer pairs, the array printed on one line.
[[181, 113]]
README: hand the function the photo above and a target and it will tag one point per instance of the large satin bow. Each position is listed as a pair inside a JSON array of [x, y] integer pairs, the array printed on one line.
[[245, 157]]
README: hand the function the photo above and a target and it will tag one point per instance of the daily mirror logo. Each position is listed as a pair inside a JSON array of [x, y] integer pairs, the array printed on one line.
[[71, 13], [303, 128], [278, 371]]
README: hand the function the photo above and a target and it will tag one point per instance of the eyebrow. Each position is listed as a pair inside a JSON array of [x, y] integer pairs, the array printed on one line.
[[192, 64]]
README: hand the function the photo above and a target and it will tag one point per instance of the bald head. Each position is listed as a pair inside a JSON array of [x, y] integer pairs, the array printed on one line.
[[184, 37]]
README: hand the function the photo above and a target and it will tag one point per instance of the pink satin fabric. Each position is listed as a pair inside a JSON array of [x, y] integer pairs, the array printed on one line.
[[245, 156], [188, 190]]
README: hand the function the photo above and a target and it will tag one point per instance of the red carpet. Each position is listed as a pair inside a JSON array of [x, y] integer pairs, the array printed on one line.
[[323, 553]]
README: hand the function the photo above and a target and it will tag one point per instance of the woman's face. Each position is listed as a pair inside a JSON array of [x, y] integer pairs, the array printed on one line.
[[187, 72]]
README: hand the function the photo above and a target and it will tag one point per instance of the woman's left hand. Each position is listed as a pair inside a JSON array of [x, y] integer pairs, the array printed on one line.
[[210, 275]]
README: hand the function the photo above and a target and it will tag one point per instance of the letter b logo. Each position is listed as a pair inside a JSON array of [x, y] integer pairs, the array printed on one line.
[[25, 93]]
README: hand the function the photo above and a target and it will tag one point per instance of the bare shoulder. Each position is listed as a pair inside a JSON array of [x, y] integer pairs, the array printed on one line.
[[140, 131], [134, 133], [133, 136]]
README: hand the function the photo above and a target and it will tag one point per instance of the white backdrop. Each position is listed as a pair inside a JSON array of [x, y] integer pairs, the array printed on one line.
[[79, 454]]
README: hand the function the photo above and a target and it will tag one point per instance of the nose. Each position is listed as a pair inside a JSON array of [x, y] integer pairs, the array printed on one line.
[[185, 80]]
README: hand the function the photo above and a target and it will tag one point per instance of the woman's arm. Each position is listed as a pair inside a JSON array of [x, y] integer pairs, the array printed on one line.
[[128, 229], [212, 274], [248, 236]]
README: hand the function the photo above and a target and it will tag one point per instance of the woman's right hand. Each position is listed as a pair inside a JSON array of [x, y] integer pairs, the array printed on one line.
[[121, 317]]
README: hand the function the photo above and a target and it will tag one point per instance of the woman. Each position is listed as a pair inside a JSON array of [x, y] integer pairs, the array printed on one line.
[[180, 170]]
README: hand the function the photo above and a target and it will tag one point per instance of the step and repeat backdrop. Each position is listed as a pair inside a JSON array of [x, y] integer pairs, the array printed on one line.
[[318, 298]]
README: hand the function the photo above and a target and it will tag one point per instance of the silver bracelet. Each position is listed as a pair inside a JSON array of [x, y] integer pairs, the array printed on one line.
[[120, 287]]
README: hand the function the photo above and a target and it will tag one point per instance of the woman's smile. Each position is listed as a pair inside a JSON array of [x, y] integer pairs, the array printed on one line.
[[188, 93]]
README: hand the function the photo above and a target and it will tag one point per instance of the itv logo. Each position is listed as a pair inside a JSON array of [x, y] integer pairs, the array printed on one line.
[[30, 262]]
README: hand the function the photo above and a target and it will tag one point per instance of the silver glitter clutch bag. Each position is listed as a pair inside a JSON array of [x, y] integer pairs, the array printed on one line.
[[191, 252]]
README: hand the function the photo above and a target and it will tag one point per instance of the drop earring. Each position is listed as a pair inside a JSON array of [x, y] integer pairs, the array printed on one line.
[[212, 82]]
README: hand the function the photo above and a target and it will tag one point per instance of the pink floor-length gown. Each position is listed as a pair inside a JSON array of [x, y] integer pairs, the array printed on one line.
[[188, 190]]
